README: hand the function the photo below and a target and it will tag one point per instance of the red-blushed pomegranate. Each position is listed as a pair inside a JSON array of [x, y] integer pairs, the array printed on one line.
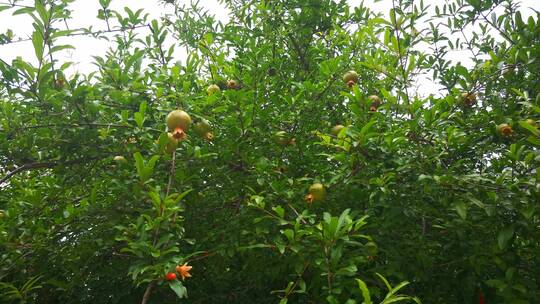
[[170, 276]]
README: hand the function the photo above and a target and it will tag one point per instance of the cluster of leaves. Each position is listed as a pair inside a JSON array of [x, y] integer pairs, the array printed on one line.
[[423, 190]]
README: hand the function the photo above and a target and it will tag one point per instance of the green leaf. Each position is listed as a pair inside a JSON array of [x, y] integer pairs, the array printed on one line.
[[504, 236], [178, 288], [57, 48], [139, 119], [461, 209], [385, 281], [365, 291], [531, 128], [279, 211], [37, 41], [139, 163]]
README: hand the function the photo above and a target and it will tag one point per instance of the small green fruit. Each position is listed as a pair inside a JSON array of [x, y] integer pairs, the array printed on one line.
[[336, 129], [120, 159], [202, 127], [316, 192], [282, 138], [212, 89], [172, 144], [531, 122], [371, 248], [350, 76], [375, 102]]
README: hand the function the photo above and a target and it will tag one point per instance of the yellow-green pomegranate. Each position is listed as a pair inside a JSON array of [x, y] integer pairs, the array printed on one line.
[[316, 192], [336, 129], [350, 76], [212, 89], [202, 127]]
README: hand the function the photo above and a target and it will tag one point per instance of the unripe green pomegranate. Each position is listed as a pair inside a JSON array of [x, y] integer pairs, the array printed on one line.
[[350, 76], [172, 144], [282, 138], [120, 159], [316, 192], [202, 127], [209, 136], [375, 102], [336, 129], [371, 248], [531, 122], [212, 89]]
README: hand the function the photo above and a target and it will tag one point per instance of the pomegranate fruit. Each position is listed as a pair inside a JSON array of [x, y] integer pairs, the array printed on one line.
[[505, 130], [469, 99], [336, 129], [350, 76], [178, 119], [316, 192], [202, 127], [232, 84], [212, 89]]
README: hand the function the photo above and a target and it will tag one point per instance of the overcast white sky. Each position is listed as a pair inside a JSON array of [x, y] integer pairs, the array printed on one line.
[[85, 11]]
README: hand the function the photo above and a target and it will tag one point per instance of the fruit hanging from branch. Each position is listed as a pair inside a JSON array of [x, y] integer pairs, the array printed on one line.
[[172, 143], [282, 138], [316, 192], [336, 129], [232, 84], [468, 99], [178, 123], [505, 130], [350, 76], [212, 89], [371, 248], [59, 83], [120, 159], [532, 122], [170, 276], [202, 127], [376, 101]]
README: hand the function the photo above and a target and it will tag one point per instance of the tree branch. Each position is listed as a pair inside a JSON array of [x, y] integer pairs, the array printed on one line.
[[36, 165], [27, 167]]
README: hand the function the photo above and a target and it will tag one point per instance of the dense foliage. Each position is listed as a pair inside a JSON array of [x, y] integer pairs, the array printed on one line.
[[264, 198]]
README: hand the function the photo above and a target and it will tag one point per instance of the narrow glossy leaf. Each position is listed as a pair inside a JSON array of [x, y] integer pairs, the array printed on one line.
[[504, 236], [365, 291], [37, 41]]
